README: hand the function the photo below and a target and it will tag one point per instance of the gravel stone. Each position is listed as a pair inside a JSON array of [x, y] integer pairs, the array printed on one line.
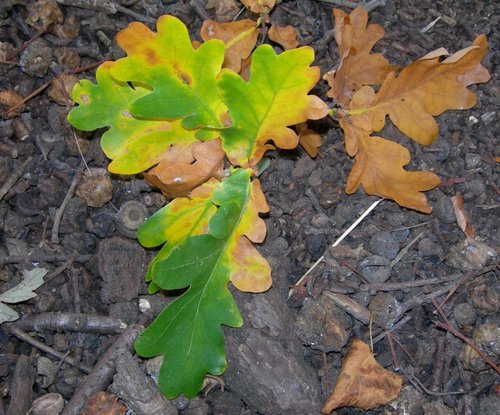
[[464, 314], [442, 208], [426, 247], [472, 160], [36, 58], [384, 244], [375, 268]]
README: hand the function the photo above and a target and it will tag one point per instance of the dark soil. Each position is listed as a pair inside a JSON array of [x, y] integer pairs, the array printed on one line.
[[286, 358]]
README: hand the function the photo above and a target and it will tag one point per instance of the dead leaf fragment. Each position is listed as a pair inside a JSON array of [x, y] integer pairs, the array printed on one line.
[[309, 139], [362, 383], [259, 6], [358, 66], [462, 217], [60, 90], [286, 36], [11, 99], [182, 168], [103, 403], [242, 35]]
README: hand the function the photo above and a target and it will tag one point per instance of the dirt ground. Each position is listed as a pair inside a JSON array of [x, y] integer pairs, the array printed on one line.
[[408, 269]]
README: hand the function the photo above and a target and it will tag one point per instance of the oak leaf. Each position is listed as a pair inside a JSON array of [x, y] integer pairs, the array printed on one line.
[[422, 90], [240, 38], [362, 383], [309, 139], [188, 333], [286, 36], [259, 6], [379, 168], [181, 79], [181, 169], [275, 97], [358, 66]]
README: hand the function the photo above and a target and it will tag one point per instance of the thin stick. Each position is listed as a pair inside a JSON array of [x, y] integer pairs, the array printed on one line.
[[340, 239], [14, 177], [469, 342], [57, 219], [16, 259], [25, 337], [403, 252]]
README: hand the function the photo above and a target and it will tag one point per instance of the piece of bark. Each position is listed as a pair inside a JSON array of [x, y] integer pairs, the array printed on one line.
[[103, 372], [138, 390], [21, 390], [265, 363], [122, 265]]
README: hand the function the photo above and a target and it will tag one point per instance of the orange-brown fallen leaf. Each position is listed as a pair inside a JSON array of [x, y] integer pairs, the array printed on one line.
[[462, 217], [241, 35], [286, 36], [379, 168], [182, 168], [309, 139], [362, 383], [259, 6], [358, 66], [422, 90]]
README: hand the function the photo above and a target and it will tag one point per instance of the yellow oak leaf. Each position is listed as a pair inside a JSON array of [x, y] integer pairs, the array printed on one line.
[[362, 383]]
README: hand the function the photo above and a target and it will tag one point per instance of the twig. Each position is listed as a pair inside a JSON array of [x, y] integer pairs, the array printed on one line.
[[301, 281], [403, 252], [397, 286], [396, 326], [103, 372], [14, 177], [60, 269], [395, 361], [81, 323], [469, 342], [16, 259], [25, 337], [57, 219], [416, 382]]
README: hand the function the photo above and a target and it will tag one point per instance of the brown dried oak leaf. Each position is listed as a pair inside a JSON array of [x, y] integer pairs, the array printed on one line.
[[362, 382], [240, 35], [285, 36], [259, 6], [358, 66]]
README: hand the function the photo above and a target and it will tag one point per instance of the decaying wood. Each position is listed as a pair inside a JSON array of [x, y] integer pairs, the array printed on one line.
[[21, 390]]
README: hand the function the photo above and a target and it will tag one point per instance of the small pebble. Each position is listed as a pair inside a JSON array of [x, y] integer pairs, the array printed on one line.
[[50, 404], [427, 247], [464, 314], [385, 309], [384, 244], [472, 160], [442, 208], [375, 268], [36, 58]]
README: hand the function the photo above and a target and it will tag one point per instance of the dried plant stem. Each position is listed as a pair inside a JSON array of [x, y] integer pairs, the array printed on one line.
[[57, 219], [14, 177], [25, 337], [16, 259], [469, 342]]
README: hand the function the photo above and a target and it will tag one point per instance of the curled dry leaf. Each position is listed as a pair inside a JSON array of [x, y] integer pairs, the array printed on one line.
[[241, 35], [362, 383], [309, 139], [103, 403], [259, 6], [182, 168], [462, 217], [286, 36]]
